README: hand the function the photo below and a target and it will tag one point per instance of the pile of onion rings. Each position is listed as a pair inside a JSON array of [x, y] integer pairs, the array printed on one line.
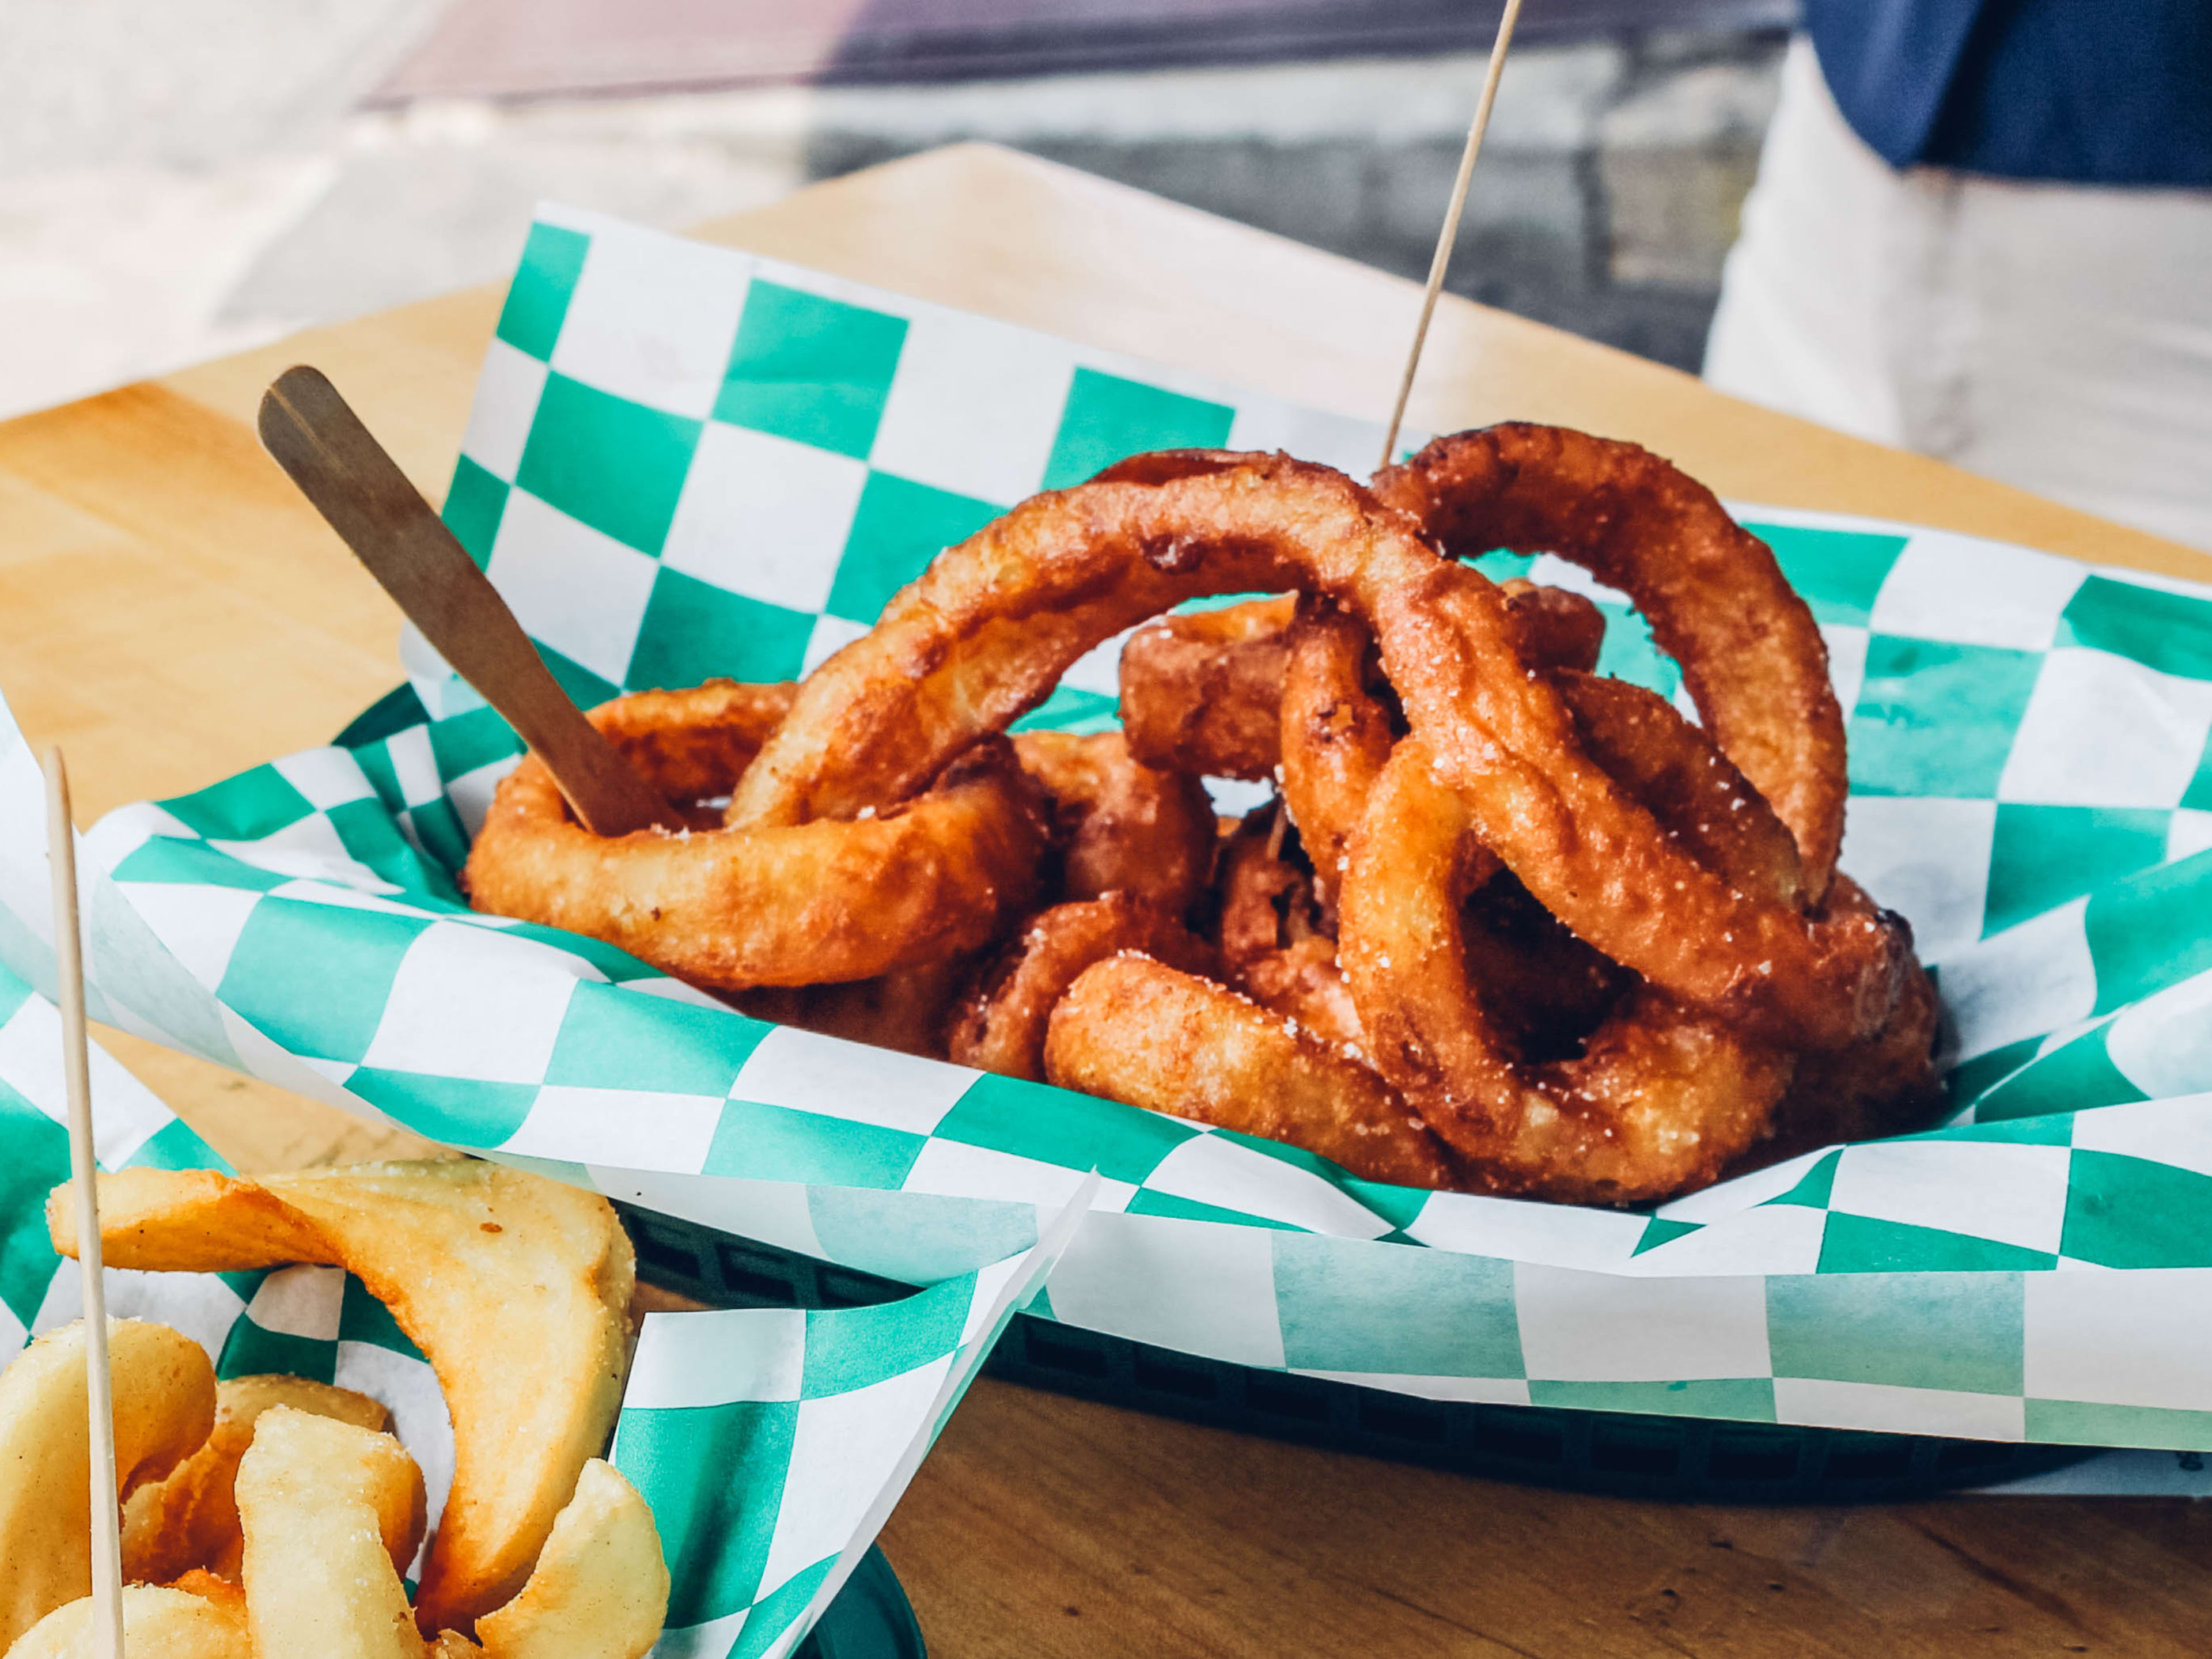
[[1506, 926]]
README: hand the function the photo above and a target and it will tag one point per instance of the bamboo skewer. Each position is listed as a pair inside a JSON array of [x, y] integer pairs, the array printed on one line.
[[100, 1403], [1449, 235]]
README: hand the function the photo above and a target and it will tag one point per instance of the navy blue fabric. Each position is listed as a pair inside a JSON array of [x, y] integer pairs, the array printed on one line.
[[2098, 92]]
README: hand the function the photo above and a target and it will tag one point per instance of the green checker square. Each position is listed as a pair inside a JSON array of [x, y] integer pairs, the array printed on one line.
[[616, 465], [1343, 1304], [2150, 931], [366, 831], [474, 506], [1107, 419], [1960, 1330], [2077, 1075], [1070, 709], [1970, 1078], [1815, 1187], [1054, 1126], [1862, 1244], [585, 689], [713, 1477], [2045, 1129], [250, 1351], [460, 1111], [314, 977], [1179, 1208], [1401, 1206], [174, 1146], [1629, 653], [1736, 1398], [1836, 571], [613, 1039], [1660, 1230], [2125, 1212], [2169, 632], [445, 842], [538, 299], [2084, 1423], [37, 1149], [390, 715], [772, 1615], [814, 370], [1937, 717], [850, 1348], [918, 1239], [2198, 796], [462, 743], [362, 1318], [694, 631], [2042, 856], [775, 1143], [258, 802], [164, 858], [898, 528]]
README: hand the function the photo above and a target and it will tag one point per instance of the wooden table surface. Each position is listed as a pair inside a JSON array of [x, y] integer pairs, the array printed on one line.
[[172, 612]]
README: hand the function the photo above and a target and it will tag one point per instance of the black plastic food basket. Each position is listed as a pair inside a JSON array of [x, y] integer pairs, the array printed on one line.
[[1690, 1459]]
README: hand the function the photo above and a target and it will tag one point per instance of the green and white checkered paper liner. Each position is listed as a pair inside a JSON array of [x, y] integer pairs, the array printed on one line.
[[771, 1444], [685, 461]]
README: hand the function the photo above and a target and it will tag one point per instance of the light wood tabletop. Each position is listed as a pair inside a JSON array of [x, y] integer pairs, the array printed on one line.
[[172, 611]]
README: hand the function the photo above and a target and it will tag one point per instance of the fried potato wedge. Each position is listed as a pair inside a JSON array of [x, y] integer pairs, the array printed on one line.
[[191, 1519], [515, 1287], [312, 1494], [167, 1624], [164, 1391], [600, 1587]]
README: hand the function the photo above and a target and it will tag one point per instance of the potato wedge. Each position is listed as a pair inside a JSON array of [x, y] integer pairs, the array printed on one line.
[[600, 1587], [320, 1582], [517, 1288], [164, 1391], [191, 1519], [162, 1624]]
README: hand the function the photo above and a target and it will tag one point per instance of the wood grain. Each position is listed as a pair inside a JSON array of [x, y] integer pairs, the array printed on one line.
[[172, 611]]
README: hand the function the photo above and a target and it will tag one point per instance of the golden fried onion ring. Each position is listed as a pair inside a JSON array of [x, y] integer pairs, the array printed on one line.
[[1000, 1024], [1751, 654], [1124, 827], [1134, 1030], [797, 904]]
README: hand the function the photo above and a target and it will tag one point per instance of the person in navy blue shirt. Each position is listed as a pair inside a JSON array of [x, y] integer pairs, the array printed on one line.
[[1982, 229]]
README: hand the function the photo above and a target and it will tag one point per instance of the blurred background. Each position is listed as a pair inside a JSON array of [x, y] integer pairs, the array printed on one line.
[[190, 177]]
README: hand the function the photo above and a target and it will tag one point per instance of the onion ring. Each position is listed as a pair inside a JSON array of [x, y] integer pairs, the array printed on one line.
[[1662, 1097], [1751, 654], [1199, 688], [907, 1010], [796, 905], [1126, 828], [1141, 1033], [1001, 1024], [1273, 947]]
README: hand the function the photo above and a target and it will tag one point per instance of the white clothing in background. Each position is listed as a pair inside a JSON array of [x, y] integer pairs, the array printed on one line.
[[2053, 336]]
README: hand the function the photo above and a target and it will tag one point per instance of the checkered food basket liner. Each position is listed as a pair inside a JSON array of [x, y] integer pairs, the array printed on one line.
[[684, 462]]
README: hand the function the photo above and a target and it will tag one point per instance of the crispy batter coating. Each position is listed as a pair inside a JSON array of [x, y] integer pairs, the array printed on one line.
[[1198, 690], [1001, 1024], [797, 905], [1136, 1031], [1124, 827], [1718, 603], [1662, 1097]]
